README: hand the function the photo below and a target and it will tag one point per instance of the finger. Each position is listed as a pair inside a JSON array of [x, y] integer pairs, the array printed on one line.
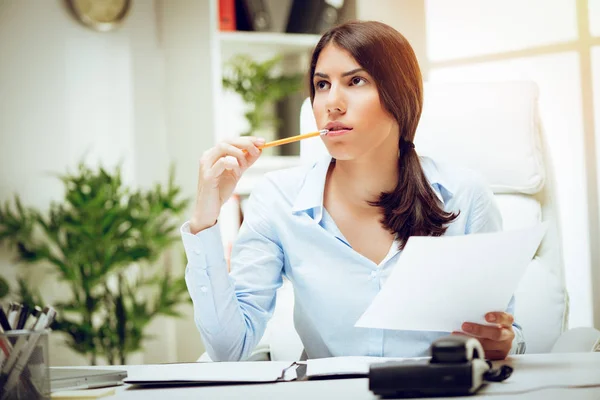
[[499, 317], [252, 159], [221, 150], [250, 144], [233, 165], [460, 333], [496, 354], [493, 345], [223, 164], [253, 152], [494, 350], [498, 333]]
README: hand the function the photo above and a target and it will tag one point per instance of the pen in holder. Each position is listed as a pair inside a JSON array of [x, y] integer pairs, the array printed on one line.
[[25, 373]]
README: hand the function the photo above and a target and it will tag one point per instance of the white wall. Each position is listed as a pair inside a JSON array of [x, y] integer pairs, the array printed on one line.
[[192, 76], [69, 93], [406, 16]]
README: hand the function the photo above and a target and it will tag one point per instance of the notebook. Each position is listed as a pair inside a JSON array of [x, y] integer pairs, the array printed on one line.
[[252, 371], [80, 378]]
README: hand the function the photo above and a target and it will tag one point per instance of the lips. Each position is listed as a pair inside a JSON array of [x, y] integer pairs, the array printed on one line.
[[337, 128]]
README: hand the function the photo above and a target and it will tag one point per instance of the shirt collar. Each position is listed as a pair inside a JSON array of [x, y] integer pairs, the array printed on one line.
[[310, 195], [442, 184]]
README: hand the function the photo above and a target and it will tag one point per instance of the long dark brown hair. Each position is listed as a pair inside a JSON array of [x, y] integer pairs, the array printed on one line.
[[412, 208]]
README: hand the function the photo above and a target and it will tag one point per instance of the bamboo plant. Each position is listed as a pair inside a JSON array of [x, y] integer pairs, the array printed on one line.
[[109, 244]]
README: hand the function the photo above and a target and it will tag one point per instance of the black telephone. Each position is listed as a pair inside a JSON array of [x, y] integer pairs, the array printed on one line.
[[457, 367]]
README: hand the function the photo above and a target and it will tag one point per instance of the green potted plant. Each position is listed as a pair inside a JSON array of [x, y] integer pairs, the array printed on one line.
[[108, 243], [260, 86]]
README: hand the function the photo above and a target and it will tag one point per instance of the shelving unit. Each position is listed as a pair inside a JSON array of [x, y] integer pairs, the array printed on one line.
[[283, 43], [296, 50], [228, 108], [262, 45]]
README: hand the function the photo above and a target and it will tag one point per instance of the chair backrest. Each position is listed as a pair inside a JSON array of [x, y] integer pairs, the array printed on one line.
[[493, 128]]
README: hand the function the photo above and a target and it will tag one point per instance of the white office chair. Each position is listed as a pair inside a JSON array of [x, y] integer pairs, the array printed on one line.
[[495, 129], [578, 340]]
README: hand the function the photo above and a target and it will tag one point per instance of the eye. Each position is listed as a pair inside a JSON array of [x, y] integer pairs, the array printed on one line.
[[322, 85], [358, 81]]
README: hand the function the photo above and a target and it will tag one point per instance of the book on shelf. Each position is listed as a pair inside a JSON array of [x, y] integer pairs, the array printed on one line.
[[227, 15], [314, 16], [252, 15]]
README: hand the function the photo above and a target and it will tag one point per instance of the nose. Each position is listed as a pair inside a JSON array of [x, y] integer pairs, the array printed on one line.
[[335, 101]]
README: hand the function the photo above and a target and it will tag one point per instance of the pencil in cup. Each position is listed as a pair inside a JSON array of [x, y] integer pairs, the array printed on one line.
[[293, 139]]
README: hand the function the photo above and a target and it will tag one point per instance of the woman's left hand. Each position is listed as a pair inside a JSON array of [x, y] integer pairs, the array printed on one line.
[[495, 339]]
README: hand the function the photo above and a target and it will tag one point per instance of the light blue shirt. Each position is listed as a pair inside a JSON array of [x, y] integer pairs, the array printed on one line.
[[287, 232]]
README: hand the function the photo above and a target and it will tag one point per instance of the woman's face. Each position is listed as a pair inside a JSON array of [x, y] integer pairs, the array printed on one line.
[[347, 103]]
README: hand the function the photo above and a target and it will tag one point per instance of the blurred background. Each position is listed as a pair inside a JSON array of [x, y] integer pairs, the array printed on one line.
[[107, 105]]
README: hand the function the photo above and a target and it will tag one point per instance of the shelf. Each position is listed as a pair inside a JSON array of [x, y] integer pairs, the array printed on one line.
[[251, 42], [263, 165]]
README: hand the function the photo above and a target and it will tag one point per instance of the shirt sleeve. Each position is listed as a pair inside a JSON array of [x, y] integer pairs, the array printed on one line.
[[485, 216], [231, 310], [518, 344]]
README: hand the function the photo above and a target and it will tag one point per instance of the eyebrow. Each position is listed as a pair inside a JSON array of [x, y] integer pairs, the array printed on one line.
[[322, 75]]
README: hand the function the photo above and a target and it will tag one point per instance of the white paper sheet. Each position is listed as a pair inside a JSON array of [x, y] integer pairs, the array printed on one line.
[[441, 282]]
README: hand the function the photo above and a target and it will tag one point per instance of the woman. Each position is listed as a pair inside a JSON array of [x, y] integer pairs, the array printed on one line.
[[335, 229]]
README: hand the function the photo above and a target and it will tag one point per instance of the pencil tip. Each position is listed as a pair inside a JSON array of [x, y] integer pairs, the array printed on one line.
[[324, 131]]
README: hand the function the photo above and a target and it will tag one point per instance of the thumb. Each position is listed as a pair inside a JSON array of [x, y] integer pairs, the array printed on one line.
[[252, 158]]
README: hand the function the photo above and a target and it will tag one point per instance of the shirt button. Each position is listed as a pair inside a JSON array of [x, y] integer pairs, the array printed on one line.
[[373, 274], [197, 251], [203, 289]]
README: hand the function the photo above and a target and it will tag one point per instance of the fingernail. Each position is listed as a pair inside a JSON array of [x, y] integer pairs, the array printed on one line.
[[491, 317], [467, 328], [260, 141]]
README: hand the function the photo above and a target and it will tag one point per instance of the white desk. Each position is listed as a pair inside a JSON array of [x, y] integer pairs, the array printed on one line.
[[530, 371]]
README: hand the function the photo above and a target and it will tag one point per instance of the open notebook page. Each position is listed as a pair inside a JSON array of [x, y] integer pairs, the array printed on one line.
[[345, 366]]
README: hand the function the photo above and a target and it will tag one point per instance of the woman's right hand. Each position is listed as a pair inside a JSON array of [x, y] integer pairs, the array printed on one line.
[[221, 167]]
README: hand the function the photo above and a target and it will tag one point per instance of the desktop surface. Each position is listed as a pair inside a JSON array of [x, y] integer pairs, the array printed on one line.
[[535, 376]]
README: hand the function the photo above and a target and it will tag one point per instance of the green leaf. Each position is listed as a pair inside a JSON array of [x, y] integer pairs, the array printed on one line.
[[4, 288]]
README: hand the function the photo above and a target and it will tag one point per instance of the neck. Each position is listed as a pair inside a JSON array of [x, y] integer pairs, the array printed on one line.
[[362, 180]]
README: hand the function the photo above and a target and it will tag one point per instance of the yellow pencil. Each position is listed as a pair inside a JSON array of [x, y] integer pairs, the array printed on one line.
[[293, 139]]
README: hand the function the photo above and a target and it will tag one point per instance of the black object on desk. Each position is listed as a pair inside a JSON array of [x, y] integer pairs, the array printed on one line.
[[457, 367]]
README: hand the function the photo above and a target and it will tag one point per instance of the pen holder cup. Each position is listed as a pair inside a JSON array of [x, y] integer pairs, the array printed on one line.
[[25, 373]]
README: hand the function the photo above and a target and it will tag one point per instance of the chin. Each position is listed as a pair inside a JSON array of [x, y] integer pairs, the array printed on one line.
[[341, 153]]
